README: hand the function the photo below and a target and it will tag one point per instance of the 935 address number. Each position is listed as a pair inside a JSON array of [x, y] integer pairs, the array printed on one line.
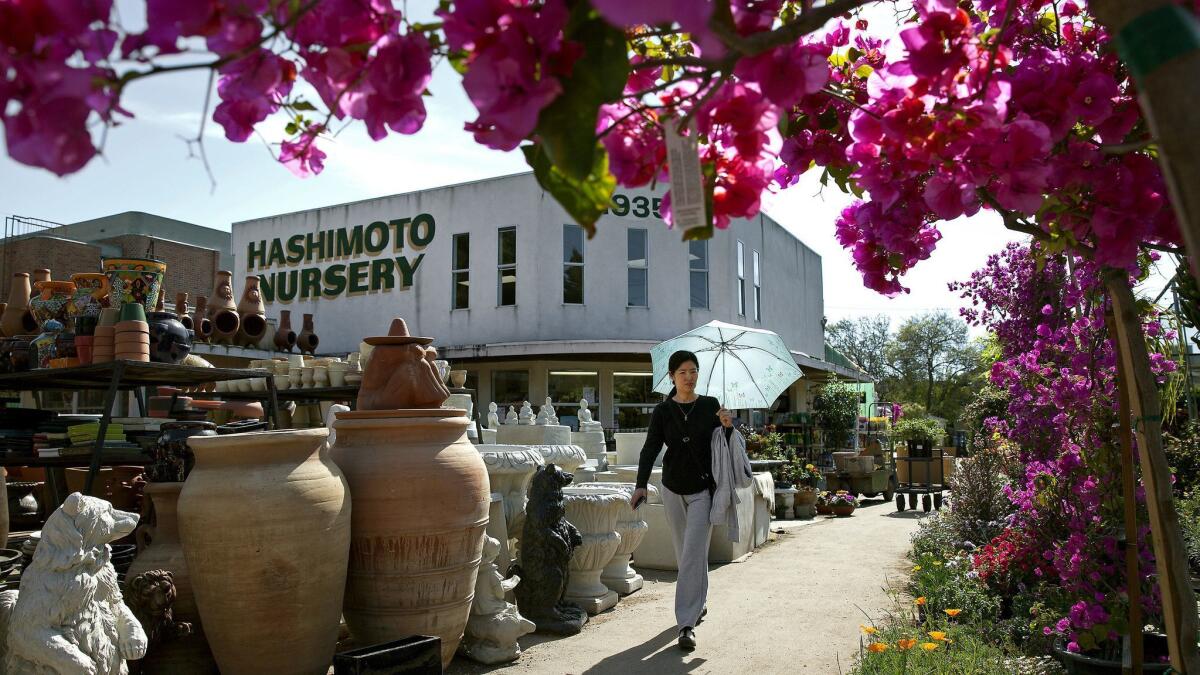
[[638, 207]]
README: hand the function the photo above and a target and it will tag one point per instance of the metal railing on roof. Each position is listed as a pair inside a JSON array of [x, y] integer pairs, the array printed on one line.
[[20, 226]]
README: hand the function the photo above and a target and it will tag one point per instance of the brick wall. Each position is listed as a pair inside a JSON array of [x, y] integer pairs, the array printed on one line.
[[189, 268]]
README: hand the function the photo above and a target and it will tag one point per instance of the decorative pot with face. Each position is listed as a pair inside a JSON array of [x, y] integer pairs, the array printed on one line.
[[170, 342]]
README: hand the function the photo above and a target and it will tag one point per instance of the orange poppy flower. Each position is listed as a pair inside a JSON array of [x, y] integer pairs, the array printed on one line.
[[869, 630], [920, 601], [929, 646], [905, 644], [952, 612], [938, 635], [877, 647]]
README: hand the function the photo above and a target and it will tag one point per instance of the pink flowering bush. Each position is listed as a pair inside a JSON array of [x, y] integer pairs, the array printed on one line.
[[1057, 368]]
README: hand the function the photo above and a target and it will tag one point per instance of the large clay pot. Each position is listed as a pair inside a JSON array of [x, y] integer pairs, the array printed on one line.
[[170, 342], [222, 310], [134, 280], [201, 325], [415, 551], [17, 319], [91, 293], [189, 654], [39, 276], [307, 340], [285, 337], [265, 523], [182, 311], [253, 314], [52, 301]]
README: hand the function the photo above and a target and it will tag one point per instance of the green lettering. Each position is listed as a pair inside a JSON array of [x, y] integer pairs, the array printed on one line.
[[417, 237], [276, 253], [348, 245], [358, 276], [310, 283], [335, 280], [266, 287], [318, 243], [295, 247], [398, 235], [377, 230], [380, 277], [253, 253], [285, 292], [407, 270]]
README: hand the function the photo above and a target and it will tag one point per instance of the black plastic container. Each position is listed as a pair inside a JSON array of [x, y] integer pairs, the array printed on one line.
[[414, 655]]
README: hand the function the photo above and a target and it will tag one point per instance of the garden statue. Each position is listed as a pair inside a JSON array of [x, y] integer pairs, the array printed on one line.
[[585, 415], [543, 416], [151, 596], [493, 420], [526, 413], [511, 417], [551, 416], [69, 617], [407, 378], [495, 624], [547, 542]]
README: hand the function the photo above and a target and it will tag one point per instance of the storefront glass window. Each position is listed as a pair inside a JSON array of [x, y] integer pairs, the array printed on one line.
[[510, 388], [633, 399], [698, 270], [572, 264], [567, 387], [636, 257]]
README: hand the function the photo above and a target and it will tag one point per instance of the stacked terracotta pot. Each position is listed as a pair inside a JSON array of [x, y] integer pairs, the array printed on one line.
[[414, 552], [132, 341]]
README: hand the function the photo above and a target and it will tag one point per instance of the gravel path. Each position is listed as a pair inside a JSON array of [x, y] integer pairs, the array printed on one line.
[[791, 607]]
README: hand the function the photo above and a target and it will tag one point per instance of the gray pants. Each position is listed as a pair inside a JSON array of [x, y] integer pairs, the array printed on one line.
[[690, 533]]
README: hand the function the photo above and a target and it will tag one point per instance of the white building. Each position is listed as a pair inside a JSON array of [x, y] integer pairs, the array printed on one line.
[[511, 290]]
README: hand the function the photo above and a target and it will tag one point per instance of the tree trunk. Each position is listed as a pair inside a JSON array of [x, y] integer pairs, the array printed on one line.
[[1170, 96], [1178, 601]]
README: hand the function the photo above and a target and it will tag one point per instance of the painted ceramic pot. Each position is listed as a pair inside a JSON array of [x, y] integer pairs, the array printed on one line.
[[134, 280], [52, 301], [91, 293], [170, 342], [268, 573]]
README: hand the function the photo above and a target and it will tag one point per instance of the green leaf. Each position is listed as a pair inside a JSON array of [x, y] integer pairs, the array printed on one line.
[[585, 200], [291, 129], [567, 127], [301, 104]]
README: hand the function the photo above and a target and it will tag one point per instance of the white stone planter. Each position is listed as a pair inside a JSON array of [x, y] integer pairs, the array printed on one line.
[[595, 511], [510, 469], [618, 574], [566, 457]]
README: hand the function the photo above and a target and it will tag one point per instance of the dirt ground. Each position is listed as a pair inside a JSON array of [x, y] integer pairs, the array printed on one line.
[[794, 606]]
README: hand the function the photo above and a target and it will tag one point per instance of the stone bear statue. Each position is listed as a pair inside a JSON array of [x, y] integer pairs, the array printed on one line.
[[69, 616], [547, 542]]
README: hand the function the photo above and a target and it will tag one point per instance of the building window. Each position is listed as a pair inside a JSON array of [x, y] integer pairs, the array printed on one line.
[[572, 265], [510, 388], [741, 272], [639, 291], [633, 400], [460, 275], [757, 290], [506, 266], [698, 271], [567, 387]]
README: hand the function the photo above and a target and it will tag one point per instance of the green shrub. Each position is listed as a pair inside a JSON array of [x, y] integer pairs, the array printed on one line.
[[979, 509], [1183, 455], [835, 408], [917, 429], [1188, 508]]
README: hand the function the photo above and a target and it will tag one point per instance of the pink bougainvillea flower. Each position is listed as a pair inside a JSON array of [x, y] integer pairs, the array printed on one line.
[[786, 74], [303, 157]]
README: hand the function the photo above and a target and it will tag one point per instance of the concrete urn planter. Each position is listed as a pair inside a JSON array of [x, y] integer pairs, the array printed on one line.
[[264, 518], [595, 511]]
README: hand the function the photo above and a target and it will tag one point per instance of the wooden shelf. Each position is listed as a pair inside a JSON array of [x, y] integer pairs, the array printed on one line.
[[348, 392], [135, 374]]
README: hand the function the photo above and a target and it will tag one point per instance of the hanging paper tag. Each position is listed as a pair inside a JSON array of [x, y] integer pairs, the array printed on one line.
[[687, 182]]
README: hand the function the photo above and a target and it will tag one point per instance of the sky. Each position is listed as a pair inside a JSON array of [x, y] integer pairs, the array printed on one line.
[[147, 165]]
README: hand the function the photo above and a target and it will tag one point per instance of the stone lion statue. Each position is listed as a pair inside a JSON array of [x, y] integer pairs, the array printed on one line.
[[547, 542], [69, 617]]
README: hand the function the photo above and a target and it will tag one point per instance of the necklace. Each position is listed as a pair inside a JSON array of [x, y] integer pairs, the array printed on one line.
[[689, 411]]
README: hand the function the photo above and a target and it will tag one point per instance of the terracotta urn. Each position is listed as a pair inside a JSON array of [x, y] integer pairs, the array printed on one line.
[[414, 552], [134, 280], [161, 305], [91, 293], [595, 511], [52, 301], [285, 337], [307, 340], [201, 325], [268, 573], [17, 319], [165, 552], [182, 311], [39, 275], [253, 315], [222, 310]]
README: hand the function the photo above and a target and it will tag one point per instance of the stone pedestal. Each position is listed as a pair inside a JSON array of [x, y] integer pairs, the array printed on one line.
[[618, 574], [594, 511], [533, 434], [566, 457], [510, 468], [628, 474], [785, 499], [489, 436], [629, 448], [592, 443]]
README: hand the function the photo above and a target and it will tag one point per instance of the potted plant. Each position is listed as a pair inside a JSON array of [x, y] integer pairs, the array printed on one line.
[[835, 408], [918, 433], [822, 503], [843, 503]]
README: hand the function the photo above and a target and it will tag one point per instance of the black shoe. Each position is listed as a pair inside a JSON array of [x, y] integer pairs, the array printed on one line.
[[687, 639], [703, 613]]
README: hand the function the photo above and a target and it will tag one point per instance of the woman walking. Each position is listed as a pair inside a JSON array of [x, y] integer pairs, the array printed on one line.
[[685, 422]]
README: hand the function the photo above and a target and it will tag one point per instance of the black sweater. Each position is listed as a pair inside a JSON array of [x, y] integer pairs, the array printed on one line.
[[687, 466]]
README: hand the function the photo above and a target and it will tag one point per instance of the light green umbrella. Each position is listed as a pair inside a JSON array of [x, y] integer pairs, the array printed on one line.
[[741, 367]]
